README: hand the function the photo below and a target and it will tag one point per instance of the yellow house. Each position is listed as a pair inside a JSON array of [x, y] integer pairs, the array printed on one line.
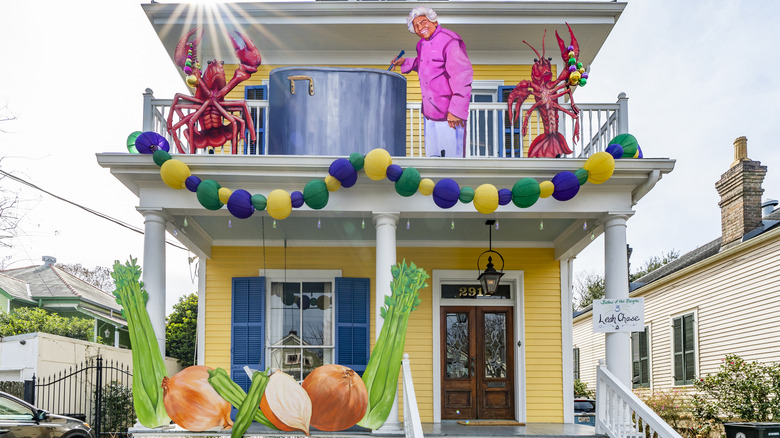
[[321, 274]]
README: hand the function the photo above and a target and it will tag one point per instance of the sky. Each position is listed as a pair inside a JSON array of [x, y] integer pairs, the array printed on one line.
[[698, 74]]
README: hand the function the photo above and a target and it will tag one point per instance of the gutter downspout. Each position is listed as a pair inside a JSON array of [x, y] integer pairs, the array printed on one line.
[[645, 188]]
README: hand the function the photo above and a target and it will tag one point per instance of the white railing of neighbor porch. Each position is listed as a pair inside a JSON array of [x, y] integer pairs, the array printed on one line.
[[488, 131], [412, 423], [621, 414]]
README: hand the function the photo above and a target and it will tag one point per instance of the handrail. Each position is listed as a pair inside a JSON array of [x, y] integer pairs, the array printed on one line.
[[621, 414], [412, 423], [489, 132]]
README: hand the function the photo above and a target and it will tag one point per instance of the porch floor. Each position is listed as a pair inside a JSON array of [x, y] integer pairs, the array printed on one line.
[[443, 429]]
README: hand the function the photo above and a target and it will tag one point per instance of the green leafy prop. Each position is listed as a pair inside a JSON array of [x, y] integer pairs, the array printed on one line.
[[381, 375]]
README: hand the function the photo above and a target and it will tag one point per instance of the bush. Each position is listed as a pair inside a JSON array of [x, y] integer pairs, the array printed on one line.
[[581, 390], [32, 320], [16, 389], [672, 406], [740, 390], [118, 412]]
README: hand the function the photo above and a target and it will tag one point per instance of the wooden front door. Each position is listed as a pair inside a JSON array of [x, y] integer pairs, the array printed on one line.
[[477, 363]]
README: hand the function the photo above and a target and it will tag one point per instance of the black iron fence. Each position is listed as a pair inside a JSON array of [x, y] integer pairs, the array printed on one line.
[[98, 394]]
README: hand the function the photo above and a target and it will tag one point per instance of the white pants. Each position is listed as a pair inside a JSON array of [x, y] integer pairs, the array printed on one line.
[[443, 141]]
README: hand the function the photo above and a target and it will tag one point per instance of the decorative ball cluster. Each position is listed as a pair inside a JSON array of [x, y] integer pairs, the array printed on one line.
[[190, 63], [577, 73], [378, 165]]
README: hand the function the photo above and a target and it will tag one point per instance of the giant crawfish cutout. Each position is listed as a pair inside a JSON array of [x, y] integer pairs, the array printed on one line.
[[546, 92], [208, 119]]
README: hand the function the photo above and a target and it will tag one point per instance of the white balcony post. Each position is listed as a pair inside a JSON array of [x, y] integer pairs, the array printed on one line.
[[622, 113], [147, 123], [386, 225], [153, 270], [616, 287]]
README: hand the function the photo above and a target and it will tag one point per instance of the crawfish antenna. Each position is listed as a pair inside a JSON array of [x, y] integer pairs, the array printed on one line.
[[532, 48], [544, 37]]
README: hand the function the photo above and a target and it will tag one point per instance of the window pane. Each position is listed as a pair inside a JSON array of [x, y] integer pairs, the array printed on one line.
[[312, 358], [317, 313], [457, 345], [284, 315], [495, 345]]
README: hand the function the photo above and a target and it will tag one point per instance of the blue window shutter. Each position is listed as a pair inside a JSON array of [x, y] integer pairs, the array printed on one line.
[[352, 322], [257, 147], [248, 328]]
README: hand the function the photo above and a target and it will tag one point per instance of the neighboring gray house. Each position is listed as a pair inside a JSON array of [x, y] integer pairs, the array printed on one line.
[[54, 290], [717, 299]]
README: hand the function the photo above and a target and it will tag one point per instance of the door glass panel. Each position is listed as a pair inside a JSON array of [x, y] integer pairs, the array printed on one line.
[[495, 345], [457, 345]]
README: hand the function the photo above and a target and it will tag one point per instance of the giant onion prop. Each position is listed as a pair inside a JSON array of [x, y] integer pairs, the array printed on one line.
[[192, 402], [286, 405], [339, 398]]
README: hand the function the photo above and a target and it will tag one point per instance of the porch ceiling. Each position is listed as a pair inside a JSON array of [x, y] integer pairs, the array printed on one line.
[[343, 33], [548, 223]]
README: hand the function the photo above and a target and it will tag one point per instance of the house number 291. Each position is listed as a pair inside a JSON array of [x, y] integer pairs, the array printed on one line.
[[470, 291]]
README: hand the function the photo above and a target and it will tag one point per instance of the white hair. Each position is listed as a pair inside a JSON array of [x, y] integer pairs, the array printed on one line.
[[429, 13]]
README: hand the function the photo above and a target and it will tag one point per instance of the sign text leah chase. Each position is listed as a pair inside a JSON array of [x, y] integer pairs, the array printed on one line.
[[624, 315]]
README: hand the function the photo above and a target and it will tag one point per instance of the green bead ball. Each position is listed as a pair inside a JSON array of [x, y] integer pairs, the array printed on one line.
[[160, 156], [466, 195], [208, 194], [408, 183], [358, 160], [525, 192], [259, 202], [315, 194], [582, 176]]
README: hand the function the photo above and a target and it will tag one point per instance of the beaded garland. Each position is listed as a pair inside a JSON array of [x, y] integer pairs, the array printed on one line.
[[486, 198], [577, 73], [192, 65]]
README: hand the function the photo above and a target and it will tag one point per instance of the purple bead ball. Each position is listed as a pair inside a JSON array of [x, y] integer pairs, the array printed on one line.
[[342, 170], [572, 68], [150, 141], [585, 75], [394, 172], [240, 204], [192, 182], [615, 150], [570, 48], [504, 196], [446, 193], [297, 199], [566, 186]]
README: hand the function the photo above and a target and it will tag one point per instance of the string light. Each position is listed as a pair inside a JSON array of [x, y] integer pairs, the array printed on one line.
[[541, 224], [319, 224], [585, 226], [175, 232], [230, 223], [408, 225], [452, 224], [496, 223], [363, 224], [185, 221], [274, 224], [592, 236]]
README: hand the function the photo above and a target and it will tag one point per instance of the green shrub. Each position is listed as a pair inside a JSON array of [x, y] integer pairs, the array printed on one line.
[[581, 389], [118, 413], [33, 320], [16, 389], [740, 390], [672, 406]]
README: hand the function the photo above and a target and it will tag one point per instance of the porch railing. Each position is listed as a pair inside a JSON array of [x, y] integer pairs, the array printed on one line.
[[412, 423], [621, 414], [489, 132]]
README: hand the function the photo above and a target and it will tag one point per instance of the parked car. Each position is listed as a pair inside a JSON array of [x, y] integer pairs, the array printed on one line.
[[19, 419], [585, 411]]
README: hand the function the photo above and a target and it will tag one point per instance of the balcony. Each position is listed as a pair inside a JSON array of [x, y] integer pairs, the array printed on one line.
[[488, 133]]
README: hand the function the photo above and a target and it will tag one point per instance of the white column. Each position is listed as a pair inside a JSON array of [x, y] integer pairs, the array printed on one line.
[[618, 345], [201, 330], [153, 270], [386, 224]]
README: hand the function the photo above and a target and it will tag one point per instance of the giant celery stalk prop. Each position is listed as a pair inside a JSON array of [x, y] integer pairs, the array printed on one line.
[[381, 375], [148, 365]]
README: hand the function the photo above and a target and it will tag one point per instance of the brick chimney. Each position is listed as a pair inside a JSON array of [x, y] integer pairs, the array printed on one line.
[[740, 195]]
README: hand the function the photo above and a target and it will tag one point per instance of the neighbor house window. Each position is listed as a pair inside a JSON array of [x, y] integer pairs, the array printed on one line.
[[640, 359], [684, 349], [576, 358], [300, 326]]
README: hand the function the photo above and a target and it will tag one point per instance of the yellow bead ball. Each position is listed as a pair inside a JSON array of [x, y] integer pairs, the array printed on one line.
[[546, 189], [376, 163], [426, 186], [332, 183], [224, 194], [174, 173], [600, 167], [279, 204], [486, 198], [192, 81]]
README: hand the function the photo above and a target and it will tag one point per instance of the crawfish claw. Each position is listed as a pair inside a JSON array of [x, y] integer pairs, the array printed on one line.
[[246, 51], [180, 55], [564, 48]]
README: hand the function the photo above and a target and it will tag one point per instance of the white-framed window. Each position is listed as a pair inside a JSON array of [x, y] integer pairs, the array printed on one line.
[[300, 321]]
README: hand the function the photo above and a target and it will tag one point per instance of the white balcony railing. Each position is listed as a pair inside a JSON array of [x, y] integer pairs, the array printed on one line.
[[412, 423], [488, 132], [621, 414]]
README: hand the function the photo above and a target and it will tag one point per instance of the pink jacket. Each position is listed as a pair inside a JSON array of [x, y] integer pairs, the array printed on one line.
[[445, 75]]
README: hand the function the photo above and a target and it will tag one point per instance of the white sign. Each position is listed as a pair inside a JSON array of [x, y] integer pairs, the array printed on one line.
[[626, 315]]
